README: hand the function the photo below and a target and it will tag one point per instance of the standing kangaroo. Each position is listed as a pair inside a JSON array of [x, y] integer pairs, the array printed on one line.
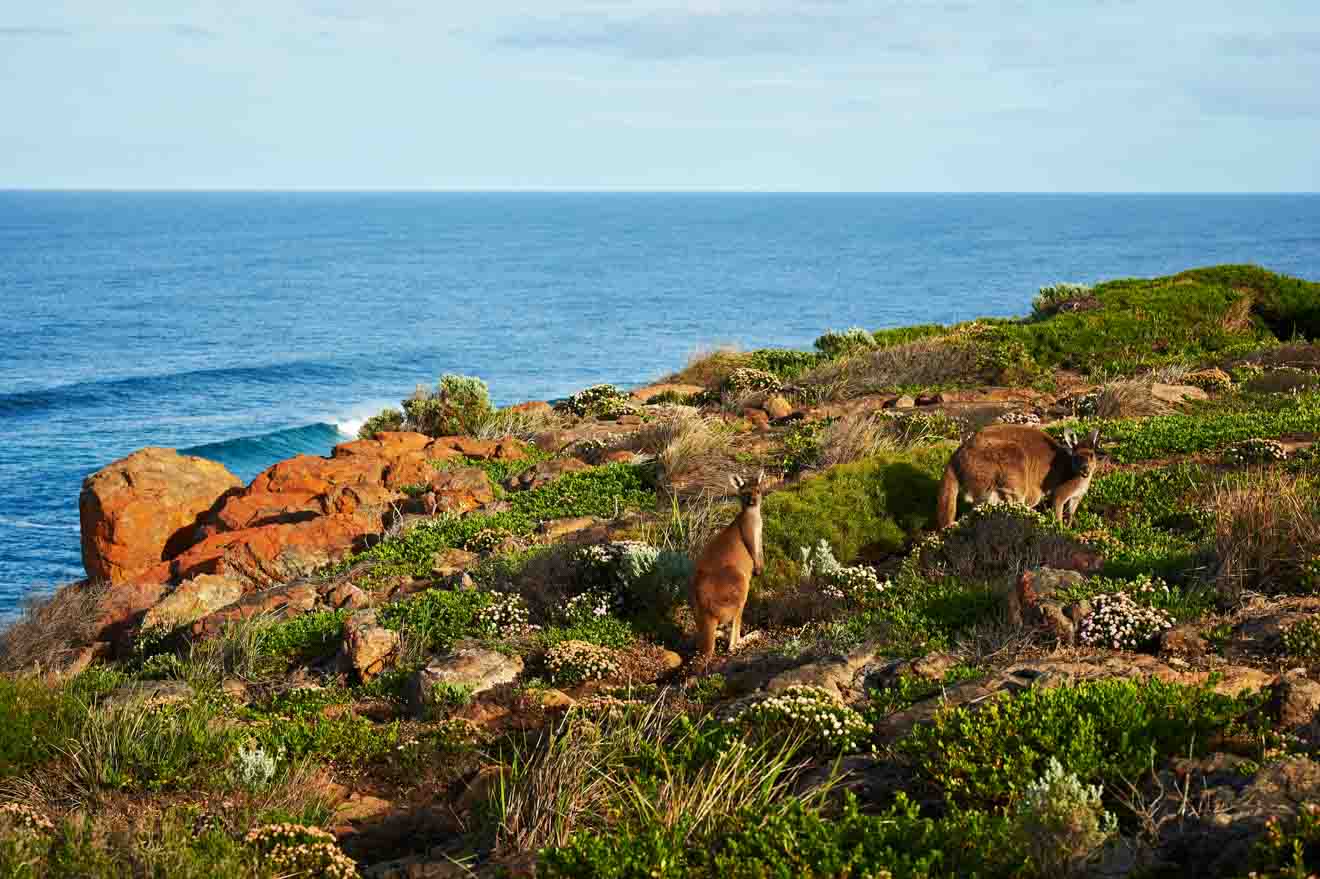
[[1010, 462], [718, 591]]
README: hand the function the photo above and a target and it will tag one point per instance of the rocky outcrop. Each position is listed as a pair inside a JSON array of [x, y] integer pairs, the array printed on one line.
[[535, 477], [145, 509], [457, 491], [281, 601], [1034, 603], [474, 669], [192, 600], [368, 646]]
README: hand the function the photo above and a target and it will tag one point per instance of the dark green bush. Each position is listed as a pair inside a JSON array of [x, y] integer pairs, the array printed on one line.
[[438, 616], [387, 419], [785, 364], [801, 842], [1104, 731]]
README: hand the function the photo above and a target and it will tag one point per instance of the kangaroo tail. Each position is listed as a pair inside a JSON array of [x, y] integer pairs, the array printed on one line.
[[946, 507]]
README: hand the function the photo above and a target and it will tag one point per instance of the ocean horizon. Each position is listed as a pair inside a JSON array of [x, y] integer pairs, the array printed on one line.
[[249, 326]]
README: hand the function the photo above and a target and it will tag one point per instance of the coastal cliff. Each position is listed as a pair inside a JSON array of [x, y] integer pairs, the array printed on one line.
[[460, 643]]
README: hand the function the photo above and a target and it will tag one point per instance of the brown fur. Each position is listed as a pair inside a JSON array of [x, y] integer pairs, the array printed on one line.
[[1011, 462], [718, 591]]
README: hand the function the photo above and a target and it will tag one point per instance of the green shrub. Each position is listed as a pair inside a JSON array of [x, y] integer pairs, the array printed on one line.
[[783, 363], [805, 712], [439, 617], [875, 505], [800, 841], [891, 336], [386, 420], [1051, 298], [1302, 638], [1062, 822], [37, 719], [597, 400], [802, 446], [605, 631], [1104, 731], [749, 381], [571, 662], [839, 343], [459, 406], [1290, 849], [304, 638]]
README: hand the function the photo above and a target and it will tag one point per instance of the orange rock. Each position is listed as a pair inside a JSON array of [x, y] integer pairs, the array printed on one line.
[[682, 390], [532, 407], [460, 490], [145, 508], [414, 468], [280, 601], [274, 553], [506, 449], [308, 474], [386, 444]]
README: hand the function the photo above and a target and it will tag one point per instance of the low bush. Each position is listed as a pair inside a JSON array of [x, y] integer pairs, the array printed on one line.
[[807, 713], [601, 491], [439, 617], [871, 507], [1104, 731], [459, 405], [572, 662], [801, 840], [1267, 534], [1302, 639], [385, 420], [839, 343], [597, 401], [1057, 297], [1118, 622], [1290, 848], [1062, 822]]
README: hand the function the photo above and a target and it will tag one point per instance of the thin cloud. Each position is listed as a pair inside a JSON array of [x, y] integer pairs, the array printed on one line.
[[25, 32], [192, 32]]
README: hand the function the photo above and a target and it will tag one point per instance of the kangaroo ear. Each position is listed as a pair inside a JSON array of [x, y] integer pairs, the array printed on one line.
[[735, 482], [760, 476], [1094, 439], [1068, 439]]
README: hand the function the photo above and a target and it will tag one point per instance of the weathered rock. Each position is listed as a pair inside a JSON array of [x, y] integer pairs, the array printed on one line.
[[1177, 394], [470, 667], [312, 475], [906, 401], [507, 449], [360, 807], [385, 444], [149, 693], [532, 407], [368, 646], [146, 508], [670, 661], [988, 395], [557, 528], [543, 472], [836, 674], [448, 562], [274, 553], [1033, 603], [1293, 703], [554, 700], [759, 418], [193, 599], [346, 596], [414, 468], [459, 491], [554, 441], [73, 661], [282, 601], [1184, 641], [777, 407], [120, 608], [644, 395], [618, 456]]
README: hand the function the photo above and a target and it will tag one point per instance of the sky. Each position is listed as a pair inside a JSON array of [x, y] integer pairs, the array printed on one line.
[[814, 95]]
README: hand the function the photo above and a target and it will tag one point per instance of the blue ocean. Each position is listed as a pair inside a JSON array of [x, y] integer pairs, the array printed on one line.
[[249, 327]]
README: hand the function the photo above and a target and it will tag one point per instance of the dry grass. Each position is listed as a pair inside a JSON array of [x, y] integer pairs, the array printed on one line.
[[1129, 399], [1267, 531], [689, 525], [998, 542], [925, 362], [580, 777], [709, 368], [50, 626], [520, 424], [856, 436]]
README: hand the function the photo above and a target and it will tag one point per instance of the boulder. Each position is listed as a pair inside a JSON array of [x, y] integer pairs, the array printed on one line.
[[346, 596], [1183, 641], [557, 528], [543, 472], [120, 608], [386, 444], [507, 449], [272, 554], [1293, 703], [1176, 394], [777, 407], [312, 476], [281, 601], [360, 807], [474, 668], [449, 562], [147, 694], [146, 508], [459, 491], [758, 418], [836, 675], [1033, 603], [368, 646], [532, 407], [193, 599]]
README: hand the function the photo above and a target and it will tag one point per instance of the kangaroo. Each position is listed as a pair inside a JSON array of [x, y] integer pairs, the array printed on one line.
[[718, 590], [1010, 462]]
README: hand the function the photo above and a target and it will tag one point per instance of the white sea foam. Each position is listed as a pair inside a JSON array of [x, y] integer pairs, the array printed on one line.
[[10, 522], [350, 422]]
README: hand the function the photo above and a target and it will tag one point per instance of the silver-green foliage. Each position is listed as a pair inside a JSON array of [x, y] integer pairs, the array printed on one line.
[[1062, 821]]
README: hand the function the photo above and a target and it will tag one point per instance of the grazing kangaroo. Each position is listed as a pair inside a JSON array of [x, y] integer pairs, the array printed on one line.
[[718, 590], [1010, 462]]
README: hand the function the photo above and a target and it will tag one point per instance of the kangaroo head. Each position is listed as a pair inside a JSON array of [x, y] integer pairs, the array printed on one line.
[[749, 490], [1085, 453]]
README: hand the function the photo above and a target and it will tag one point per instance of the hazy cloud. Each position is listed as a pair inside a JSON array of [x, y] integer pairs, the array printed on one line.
[[192, 32], [21, 32]]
